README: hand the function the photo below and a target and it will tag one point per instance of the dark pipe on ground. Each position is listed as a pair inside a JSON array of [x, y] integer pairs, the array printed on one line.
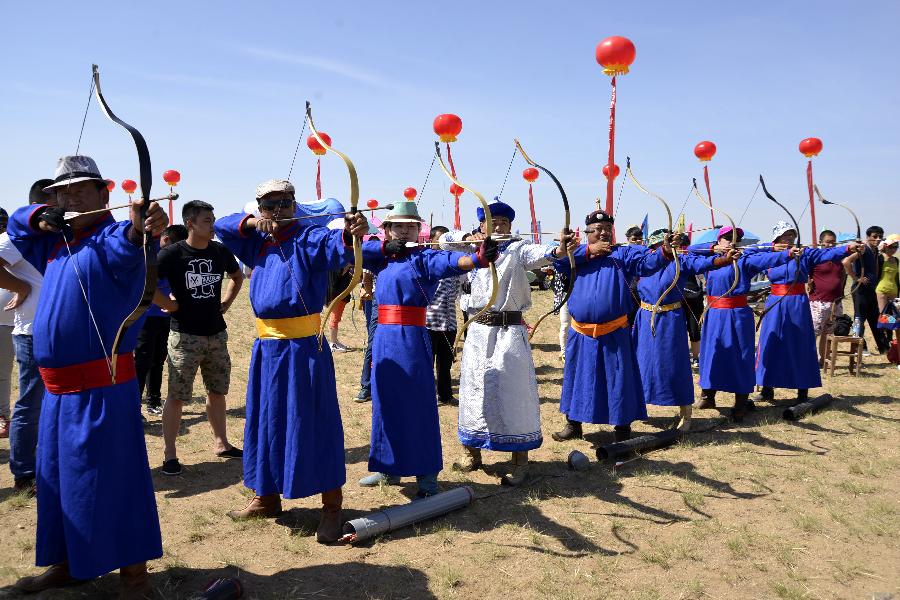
[[795, 412], [651, 441]]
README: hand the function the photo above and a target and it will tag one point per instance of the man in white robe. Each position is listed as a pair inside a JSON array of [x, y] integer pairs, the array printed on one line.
[[499, 408]]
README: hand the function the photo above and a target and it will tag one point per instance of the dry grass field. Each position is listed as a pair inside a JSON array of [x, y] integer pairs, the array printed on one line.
[[767, 509]]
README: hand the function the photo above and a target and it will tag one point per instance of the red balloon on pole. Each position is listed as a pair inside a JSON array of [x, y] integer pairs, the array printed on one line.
[[410, 193], [616, 171], [531, 174], [456, 190], [372, 203], [447, 127], [172, 177], [110, 185], [615, 54], [705, 151], [313, 144], [128, 186], [811, 147]]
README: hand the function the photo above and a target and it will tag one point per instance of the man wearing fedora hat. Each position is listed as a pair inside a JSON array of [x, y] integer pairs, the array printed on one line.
[[293, 437], [786, 356], [406, 434], [96, 510]]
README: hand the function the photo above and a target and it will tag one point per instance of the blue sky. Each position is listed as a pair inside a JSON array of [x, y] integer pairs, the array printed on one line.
[[218, 90]]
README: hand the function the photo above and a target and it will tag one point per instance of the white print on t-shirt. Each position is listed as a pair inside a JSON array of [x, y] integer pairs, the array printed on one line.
[[200, 279]]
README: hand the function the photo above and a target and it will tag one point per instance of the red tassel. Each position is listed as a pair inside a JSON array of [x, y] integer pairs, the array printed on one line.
[[611, 161], [712, 215], [457, 225], [171, 209], [534, 225], [319, 178], [812, 205]]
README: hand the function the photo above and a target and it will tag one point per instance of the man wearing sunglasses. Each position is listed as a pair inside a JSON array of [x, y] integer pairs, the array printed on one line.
[[293, 437], [862, 268]]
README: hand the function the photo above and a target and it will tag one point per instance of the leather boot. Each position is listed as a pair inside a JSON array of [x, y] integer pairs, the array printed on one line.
[[766, 394], [571, 431], [135, 583], [56, 576], [329, 529], [469, 461], [519, 471], [739, 411], [621, 433], [684, 423], [707, 399], [802, 395], [258, 508]]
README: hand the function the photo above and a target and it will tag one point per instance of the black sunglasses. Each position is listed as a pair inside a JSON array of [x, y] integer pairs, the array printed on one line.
[[273, 204]]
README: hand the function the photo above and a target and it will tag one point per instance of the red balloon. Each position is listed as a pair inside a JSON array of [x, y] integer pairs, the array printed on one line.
[[172, 177], [705, 151], [110, 184], [128, 186], [606, 171], [456, 190], [615, 54], [447, 127], [313, 144], [410, 193], [811, 147], [530, 174], [372, 203]]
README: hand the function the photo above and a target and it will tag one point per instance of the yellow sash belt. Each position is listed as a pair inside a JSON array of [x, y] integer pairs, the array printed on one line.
[[662, 307], [288, 329]]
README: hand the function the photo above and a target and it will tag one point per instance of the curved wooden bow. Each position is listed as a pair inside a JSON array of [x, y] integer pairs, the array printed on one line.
[[150, 264], [354, 200], [565, 201], [671, 287], [823, 200], [734, 241], [797, 244], [489, 228]]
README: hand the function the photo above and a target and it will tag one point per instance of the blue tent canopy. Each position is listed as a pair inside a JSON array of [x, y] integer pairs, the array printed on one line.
[[710, 236]]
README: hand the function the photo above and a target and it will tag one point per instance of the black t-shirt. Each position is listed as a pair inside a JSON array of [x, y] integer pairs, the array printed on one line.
[[196, 279]]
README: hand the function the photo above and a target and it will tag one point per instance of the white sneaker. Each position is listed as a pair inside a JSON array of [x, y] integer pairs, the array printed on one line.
[[866, 353], [338, 347]]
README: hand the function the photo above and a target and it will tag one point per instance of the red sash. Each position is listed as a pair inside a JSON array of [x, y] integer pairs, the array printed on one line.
[[86, 376], [392, 314], [786, 289], [726, 301]]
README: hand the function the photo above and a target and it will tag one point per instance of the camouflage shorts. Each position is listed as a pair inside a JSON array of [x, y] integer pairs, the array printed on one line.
[[189, 352]]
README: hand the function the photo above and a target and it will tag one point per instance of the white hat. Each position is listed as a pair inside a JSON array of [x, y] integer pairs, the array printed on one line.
[[780, 228], [74, 169], [273, 185]]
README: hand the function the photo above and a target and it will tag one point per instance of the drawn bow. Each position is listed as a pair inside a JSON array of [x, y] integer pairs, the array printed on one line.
[[489, 228], [354, 200], [797, 245], [823, 200], [734, 241], [150, 264], [565, 201], [677, 276]]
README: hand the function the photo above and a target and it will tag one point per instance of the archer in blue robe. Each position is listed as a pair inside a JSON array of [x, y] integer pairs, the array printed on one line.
[[664, 359], [406, 433], [601, 381], [293, 436], [95, 502], [786, 357], [727, 336]]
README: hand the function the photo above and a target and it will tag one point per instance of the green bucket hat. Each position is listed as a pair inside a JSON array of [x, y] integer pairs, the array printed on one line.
[[403, 212], [657, 237]]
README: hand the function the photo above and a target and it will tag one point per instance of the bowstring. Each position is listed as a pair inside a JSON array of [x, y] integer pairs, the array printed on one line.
[[508, 169], [88, 304], [684, 204], [425, 183], [619, 198], [749, 202], [84, 118], [297, 149]]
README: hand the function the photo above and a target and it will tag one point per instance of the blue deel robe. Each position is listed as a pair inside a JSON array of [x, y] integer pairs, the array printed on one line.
[[664, 359], [406, 433], [95, 502], [601, 382], [293, 437], [786, 356], [727, 336]]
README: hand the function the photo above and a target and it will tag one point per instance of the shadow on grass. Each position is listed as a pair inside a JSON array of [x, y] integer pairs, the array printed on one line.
[[344, 580], [199, 478]]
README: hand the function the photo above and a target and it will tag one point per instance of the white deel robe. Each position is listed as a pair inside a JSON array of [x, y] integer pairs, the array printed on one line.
[[499, 408]]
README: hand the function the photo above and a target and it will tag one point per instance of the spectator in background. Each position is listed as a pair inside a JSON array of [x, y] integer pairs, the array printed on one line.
[[6, 345], [634, 236], [337, 283], [826, 289], [862, 268], [560, 285], [692, 302], [440, 320], [198, 338], [20, 277], [150, 352], [370, 310], [888, 278]]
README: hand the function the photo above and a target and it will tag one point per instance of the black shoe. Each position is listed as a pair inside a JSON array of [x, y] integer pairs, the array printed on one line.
[[766, 394], [171, 467], [231, 453], [571, 431], [26, 485], [451, 401], [739, 411], [621, 433], [362, 399], [154, 406]]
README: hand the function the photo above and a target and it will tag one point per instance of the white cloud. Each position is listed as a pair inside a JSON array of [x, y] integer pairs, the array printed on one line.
[[323, 64]]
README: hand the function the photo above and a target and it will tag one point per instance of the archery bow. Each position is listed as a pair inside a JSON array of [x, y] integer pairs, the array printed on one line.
[[150, 265], [354, 200], [656, 306], [797, 245], [734, 241], [565, 201], [488, 229], [823, 200]]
